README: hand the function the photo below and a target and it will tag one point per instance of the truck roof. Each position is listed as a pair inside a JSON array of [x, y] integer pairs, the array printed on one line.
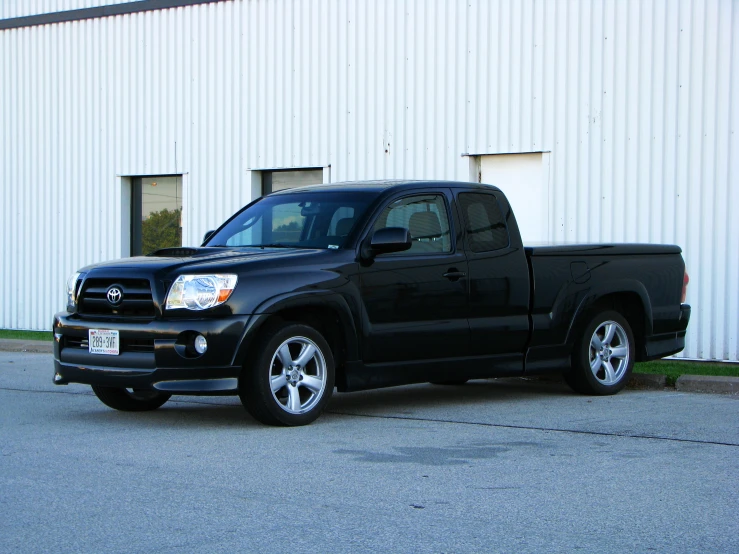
[[386, 185]]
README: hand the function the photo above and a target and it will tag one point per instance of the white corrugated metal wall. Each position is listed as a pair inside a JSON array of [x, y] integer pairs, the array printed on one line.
[[637, 102]]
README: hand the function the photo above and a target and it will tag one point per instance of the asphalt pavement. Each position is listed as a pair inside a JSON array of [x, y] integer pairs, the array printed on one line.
[[506, 465]]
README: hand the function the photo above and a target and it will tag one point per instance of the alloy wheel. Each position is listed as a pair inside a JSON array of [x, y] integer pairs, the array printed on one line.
[[609, 352], [298, 375]]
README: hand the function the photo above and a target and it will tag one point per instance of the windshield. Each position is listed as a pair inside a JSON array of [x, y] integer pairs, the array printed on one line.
[[297, 220]]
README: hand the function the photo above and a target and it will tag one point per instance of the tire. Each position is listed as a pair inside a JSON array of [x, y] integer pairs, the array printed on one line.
[[289, 379], [604, 355], [130, 400], [450, 382]]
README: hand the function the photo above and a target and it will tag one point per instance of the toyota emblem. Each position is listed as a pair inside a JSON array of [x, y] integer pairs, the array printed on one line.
[[115, 295]]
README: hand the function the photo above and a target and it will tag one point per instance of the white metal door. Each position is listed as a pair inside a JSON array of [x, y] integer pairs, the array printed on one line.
[[524, 180]]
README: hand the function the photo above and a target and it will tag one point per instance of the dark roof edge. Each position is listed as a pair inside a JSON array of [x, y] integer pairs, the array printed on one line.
[[100, 11], [390, 184]]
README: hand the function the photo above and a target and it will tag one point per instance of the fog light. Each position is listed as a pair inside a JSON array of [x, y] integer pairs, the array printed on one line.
[[57, 377], [201, 345]]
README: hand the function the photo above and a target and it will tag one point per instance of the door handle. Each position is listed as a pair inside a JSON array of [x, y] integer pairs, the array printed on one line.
[[453, 275]]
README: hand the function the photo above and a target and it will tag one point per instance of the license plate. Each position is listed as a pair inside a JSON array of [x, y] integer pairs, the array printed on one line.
[[104, 341]]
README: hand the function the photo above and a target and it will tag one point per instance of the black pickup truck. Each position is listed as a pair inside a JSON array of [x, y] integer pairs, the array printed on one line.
[[365, 285]]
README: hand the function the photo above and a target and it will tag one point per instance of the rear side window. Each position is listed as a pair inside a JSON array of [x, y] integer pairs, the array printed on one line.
[[486, 228]]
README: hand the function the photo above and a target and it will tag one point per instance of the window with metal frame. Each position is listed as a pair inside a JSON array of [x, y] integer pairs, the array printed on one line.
[[282, 179], [156, 213]]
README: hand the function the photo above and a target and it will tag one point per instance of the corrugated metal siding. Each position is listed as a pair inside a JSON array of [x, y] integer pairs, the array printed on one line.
[[637, 102], [22, 8]]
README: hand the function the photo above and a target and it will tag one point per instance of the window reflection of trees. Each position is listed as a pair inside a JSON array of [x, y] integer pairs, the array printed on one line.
[[161, 230]]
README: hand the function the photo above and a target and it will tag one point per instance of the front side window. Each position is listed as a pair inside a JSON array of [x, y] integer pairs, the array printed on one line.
[[485, 226], [425, 216], [298, 220]]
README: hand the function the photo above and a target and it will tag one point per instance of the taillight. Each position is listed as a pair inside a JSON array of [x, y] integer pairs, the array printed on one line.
[[686, 280]]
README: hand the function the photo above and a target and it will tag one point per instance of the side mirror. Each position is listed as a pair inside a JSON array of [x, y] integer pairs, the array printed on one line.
[[387, 240], [207, 235]]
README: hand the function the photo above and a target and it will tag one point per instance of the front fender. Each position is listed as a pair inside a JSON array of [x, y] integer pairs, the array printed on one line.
[[330, 300]]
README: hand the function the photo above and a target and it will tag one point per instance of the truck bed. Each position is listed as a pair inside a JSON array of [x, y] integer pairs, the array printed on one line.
[[641, 280], [613, 249]]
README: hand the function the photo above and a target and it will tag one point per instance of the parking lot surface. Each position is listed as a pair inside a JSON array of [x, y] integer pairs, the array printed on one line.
[[495, 465]]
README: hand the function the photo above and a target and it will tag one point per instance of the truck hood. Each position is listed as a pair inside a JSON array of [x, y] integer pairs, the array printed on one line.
[[200, 259]]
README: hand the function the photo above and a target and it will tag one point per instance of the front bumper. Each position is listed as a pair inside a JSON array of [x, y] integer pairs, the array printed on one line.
[[152, 354]]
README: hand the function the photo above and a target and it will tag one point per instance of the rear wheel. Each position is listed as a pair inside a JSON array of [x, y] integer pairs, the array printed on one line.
[[604, 356], [130, 400], [290, 377]]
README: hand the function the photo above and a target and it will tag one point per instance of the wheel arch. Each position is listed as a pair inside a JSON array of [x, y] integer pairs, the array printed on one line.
[[630, 301], [328, 313]]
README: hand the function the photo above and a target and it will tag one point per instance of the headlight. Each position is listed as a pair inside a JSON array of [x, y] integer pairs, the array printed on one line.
[[72, 290], [200, 292]]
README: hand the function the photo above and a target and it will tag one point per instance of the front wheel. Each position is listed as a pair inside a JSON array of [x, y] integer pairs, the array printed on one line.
[[290, 377], [130, 400], [604, 356]]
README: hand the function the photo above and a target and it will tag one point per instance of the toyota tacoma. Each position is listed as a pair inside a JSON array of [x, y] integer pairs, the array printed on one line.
[[355, 286]]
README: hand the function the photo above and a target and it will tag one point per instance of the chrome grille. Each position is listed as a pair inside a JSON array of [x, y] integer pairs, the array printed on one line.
[[136, 298]]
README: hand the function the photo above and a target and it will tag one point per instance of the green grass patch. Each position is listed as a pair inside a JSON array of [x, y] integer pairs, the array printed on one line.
[[26, 335], [673, 369]]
